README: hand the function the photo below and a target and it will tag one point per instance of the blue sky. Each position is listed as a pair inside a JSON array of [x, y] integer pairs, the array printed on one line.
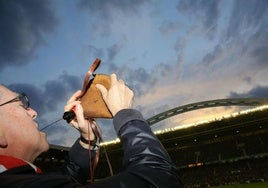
[[170, 53]]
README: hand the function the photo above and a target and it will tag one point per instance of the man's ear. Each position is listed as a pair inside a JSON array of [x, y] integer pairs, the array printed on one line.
[[3, 140]]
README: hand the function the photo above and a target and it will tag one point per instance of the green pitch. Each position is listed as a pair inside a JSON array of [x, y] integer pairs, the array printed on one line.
[[247, 185]]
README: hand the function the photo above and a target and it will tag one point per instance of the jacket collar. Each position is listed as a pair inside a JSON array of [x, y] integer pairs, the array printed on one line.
[[8, 163]]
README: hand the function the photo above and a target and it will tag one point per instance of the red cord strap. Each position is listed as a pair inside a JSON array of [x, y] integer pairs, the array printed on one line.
[[92, 167], [95, 129], [93, 67]]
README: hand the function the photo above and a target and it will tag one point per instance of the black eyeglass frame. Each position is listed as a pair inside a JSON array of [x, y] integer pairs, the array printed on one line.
[[21, 97]]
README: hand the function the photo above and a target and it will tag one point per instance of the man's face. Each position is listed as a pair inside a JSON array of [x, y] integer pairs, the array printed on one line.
[[17, 124]]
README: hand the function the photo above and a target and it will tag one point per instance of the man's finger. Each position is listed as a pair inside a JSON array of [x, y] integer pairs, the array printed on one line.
[[70, 105], [79, 114], [102, 89], [74, 96], [113, 79]]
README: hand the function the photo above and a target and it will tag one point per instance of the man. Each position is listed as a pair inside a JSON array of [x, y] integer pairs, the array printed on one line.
[[145, 162]]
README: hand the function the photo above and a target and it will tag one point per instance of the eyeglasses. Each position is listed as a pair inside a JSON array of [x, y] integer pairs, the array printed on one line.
[[21, 97]]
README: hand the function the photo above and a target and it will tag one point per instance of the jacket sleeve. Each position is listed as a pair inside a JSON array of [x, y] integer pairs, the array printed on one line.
[[145, 162], [77, 163]]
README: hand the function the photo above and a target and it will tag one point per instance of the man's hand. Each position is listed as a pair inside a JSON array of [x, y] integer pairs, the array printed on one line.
[[80, 123], [118, 97]]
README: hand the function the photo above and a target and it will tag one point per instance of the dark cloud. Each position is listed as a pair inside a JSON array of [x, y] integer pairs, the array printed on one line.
[[60, 89], [104, 12], [112, 67], [207, 11], [247, 28], [97, 52], [113, 51], [257, 92], [209, 58], [57, 132], [136, 79], [60, 139], [168, 27], [110, 51], [23, 26], [45, 99], [39, 102], [246, 33], [257, 47], [107, 129], [246, 15], [35, 95], [105, 8]]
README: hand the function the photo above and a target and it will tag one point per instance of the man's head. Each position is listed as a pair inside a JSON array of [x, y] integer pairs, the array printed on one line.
[[19, 134]]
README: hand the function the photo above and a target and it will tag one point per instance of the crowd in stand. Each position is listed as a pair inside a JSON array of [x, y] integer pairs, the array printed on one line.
[[244, 171]]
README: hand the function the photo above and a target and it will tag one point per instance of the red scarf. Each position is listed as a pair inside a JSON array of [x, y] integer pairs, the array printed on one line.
[[8, 162]]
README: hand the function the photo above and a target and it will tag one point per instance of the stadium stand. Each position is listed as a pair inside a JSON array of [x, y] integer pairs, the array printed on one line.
[[226, 151]]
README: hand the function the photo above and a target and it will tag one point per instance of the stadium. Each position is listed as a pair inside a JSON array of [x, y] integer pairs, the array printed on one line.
[[229, 151]]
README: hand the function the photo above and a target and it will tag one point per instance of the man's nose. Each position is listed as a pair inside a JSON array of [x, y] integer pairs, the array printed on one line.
[[32, 112]]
